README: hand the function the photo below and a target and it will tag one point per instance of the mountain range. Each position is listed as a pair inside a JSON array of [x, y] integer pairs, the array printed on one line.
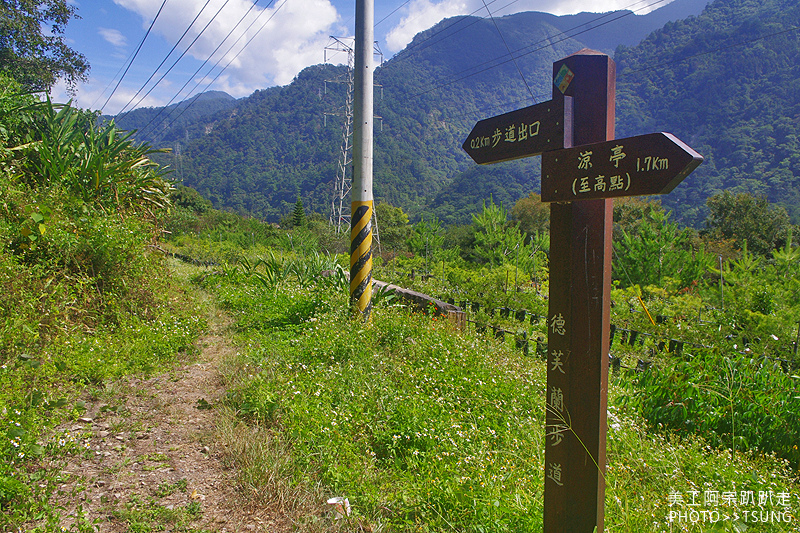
[[723, 77]]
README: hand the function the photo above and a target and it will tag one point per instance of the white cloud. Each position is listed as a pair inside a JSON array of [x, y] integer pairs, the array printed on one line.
[[286, 37], [113, 36], [94, 93], [421, 15]]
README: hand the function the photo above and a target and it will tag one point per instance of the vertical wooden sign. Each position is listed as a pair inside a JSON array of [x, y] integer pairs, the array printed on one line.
[[581, 173], [578, 317]]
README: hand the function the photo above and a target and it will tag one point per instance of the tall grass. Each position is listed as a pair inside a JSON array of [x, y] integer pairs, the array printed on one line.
[[84, 297], [424, 428]]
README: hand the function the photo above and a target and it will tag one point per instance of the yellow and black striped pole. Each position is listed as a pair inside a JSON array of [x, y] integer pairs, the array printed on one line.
[[361, 201], [361, 256]]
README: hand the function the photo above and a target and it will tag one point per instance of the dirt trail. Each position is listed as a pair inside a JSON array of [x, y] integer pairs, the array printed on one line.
[[154, 464]]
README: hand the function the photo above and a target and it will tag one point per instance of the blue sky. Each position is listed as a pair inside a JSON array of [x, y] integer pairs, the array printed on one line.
[[284, 37]]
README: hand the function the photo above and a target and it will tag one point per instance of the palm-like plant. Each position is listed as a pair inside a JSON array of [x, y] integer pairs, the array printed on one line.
[[95, 163]]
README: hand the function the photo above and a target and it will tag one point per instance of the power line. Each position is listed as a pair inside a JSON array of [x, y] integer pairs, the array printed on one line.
[[720, 49], [412, 47], [111, 81], [509, 51], [168, 54], [503, 61], [176, 61], [476, 20], [135, 54], [392, 13], [216, 64]]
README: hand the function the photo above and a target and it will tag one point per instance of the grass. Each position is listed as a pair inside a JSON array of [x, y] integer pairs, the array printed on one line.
[[426, 429], [145, 515], [83, 305]]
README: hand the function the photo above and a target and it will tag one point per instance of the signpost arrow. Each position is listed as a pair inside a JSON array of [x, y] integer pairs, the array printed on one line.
[[635, 166], [522, 133]]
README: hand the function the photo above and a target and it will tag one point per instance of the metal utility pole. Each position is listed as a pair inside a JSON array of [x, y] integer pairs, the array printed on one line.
[[361, 204]]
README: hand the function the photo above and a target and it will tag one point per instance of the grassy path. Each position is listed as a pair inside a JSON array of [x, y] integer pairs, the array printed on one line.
[[155, 462]]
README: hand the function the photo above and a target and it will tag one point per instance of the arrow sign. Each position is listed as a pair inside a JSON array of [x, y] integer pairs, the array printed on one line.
[[522, 133], [646, 164]]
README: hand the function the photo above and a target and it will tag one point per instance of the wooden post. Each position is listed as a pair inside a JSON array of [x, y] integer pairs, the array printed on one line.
[[578, 317], [583, 167]]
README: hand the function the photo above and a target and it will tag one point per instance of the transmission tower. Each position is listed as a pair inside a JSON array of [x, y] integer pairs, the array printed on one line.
[[340, 205], [340, 210]]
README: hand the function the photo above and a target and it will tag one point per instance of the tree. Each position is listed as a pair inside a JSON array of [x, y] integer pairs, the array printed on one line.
[[299, 214], [393, 227], [744, 217], [657, 249], [461, 238], [496, 240], [427, 238], [32, 47], [531, 214], [631, 212], [189, 198]]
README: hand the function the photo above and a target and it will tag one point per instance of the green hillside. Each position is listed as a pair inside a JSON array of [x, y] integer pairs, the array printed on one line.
[[258, 156], [727, 83]]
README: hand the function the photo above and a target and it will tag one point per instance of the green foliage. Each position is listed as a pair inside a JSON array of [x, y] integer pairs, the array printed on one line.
[[173, 125], [94, 163], [658, 250], [461, 237], [256, 158], [427, 238], [393, 227], [298, 215], [188, 198], [735, 402], [496, 240], [381, 419], [423, 428], [630, 212], [744, 218], [33, 49], [744, 127], [532, 216], [84, 296]]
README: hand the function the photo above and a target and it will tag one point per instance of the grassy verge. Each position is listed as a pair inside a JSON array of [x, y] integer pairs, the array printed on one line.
[[44, 389], [84, 304], [426, 429]]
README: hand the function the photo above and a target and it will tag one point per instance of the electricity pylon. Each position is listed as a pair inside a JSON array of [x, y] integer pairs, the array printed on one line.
[[340, 204]]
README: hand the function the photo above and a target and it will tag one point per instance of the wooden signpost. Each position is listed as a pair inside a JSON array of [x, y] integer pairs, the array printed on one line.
[[521, 133], [581, 176], [635, 166]]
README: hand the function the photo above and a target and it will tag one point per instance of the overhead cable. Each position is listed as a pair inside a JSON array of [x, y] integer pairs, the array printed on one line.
[[217, 63], [174, 47], [509, 51], [135, 54], [501, 61], [174, 63]]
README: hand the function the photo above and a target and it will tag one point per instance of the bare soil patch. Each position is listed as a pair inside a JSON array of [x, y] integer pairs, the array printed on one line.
[[154, 463]]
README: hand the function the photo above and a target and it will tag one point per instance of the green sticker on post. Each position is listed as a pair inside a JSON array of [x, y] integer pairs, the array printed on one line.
[[563, 78]]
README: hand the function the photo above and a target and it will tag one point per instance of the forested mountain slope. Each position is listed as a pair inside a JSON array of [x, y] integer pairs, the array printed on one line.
[[725, 81], [728, 83]]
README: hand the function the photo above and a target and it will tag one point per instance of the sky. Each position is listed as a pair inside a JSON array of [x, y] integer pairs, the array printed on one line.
[[155, 52]]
